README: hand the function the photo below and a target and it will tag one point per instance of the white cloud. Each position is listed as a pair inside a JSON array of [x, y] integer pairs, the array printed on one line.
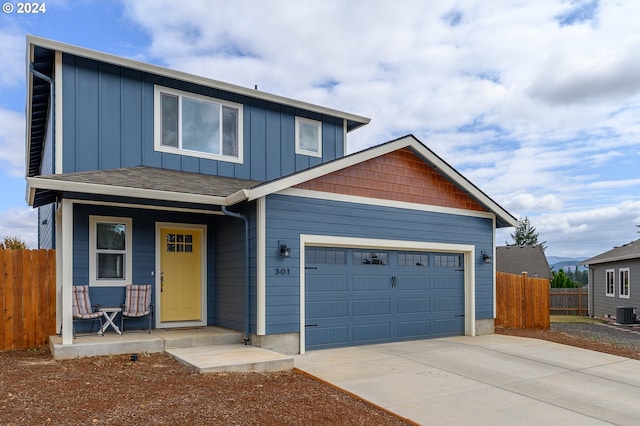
[[21, 223], [530, 202], [535, 102], [12, 133], [12, 46]]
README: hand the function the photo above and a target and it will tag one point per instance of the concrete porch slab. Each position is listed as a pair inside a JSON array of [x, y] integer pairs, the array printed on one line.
[[231, 358]]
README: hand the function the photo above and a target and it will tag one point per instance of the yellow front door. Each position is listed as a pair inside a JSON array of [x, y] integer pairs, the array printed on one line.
[[180, 274]]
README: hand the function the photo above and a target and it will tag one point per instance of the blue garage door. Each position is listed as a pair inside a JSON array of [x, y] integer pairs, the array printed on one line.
[[356, 296]]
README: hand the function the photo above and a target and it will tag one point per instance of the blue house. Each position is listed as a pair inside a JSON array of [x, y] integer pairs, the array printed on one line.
[[243, 210]]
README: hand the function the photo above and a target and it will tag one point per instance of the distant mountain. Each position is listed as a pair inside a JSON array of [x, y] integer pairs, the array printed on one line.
[[567, 263]]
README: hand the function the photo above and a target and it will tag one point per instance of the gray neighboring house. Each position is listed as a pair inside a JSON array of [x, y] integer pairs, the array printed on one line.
[[611, 278], [519, 259]]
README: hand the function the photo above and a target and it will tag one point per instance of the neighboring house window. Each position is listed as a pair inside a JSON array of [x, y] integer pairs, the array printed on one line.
[[198, 126], [624, 283], [308, 137], [109, 251], [610, 275]]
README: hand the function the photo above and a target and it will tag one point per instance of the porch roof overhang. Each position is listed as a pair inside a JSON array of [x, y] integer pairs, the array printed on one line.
[[141, 182]]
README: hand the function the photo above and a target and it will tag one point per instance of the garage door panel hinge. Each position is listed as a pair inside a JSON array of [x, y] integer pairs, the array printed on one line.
[[459, 270], [311, 325], [459, 315], [310, 267]]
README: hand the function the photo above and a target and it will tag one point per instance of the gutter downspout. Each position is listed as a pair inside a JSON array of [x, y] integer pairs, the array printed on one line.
[[246, 269]]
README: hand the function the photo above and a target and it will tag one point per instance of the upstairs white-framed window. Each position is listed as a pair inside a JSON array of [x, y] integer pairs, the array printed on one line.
[[610, 283], [110, 247], [308, 137], [624, 283], [197, 126]]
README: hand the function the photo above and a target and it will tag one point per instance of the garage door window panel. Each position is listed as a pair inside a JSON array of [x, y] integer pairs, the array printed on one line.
[[413, 259], [378, 258]]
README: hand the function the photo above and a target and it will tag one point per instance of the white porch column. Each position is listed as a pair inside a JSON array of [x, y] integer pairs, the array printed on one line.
[[64, 267], [261, 231]]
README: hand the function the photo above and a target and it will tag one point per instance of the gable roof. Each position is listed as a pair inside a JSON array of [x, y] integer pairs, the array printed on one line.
[[40, 63], [171, 185], [503, 217], [353, 121], [627, 251], [519, 259]]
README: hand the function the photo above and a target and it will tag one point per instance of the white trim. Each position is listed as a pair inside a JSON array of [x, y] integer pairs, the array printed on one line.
[[57, 142], [157, 113], [165, 72], [320, 195], [66, 253], [606, 282], [203, 276], [128, 251], [310, 122], [620, 283], [34, 183], [467, 250], [493, 248], [261, 249], [344, 138]]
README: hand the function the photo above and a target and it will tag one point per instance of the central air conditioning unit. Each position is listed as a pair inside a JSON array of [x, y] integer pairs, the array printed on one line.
[[625, 315]]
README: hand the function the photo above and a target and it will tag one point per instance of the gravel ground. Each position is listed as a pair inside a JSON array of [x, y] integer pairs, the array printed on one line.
[[624, 336], [608, 338]]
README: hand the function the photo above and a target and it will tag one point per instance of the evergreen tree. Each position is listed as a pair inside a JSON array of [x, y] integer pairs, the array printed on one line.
[[526, 234]]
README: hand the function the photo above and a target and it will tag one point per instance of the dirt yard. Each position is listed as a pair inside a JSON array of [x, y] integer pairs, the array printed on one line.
[[35, 389]]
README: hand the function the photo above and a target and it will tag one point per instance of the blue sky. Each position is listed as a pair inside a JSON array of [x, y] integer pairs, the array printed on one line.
[[537, 103]]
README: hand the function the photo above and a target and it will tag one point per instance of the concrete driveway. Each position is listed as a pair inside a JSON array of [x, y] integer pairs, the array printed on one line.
[[485, 380]]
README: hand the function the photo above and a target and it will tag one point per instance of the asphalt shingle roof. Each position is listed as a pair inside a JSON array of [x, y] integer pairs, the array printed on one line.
[[627, 251], [142, 177], [519, 259]]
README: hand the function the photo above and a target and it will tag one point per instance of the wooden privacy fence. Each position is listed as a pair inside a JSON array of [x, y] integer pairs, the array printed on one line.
[[27, 298], [522, 302], [569, 301]]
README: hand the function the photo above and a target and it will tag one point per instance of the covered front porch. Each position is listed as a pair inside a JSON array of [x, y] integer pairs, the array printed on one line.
[[206, 349]]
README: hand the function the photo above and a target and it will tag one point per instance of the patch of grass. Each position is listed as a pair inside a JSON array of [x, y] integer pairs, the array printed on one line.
[[574, 319]]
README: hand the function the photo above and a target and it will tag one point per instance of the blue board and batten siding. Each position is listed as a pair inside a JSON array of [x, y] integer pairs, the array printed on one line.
[[108, 123], [143, 250], [287, 217]]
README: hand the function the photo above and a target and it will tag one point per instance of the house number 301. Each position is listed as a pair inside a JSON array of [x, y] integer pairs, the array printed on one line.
[[283, 271]]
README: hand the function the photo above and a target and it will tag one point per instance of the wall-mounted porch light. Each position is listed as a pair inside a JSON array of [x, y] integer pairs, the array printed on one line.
[[284, 250], [486, 257]]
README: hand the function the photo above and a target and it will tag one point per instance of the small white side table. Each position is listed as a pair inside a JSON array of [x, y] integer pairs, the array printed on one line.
[[109, 316]]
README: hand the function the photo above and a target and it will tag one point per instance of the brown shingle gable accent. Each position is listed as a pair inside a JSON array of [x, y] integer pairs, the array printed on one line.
[[399, 176]]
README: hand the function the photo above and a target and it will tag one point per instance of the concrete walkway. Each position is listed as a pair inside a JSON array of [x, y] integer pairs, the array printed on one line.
[[485, 380]]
